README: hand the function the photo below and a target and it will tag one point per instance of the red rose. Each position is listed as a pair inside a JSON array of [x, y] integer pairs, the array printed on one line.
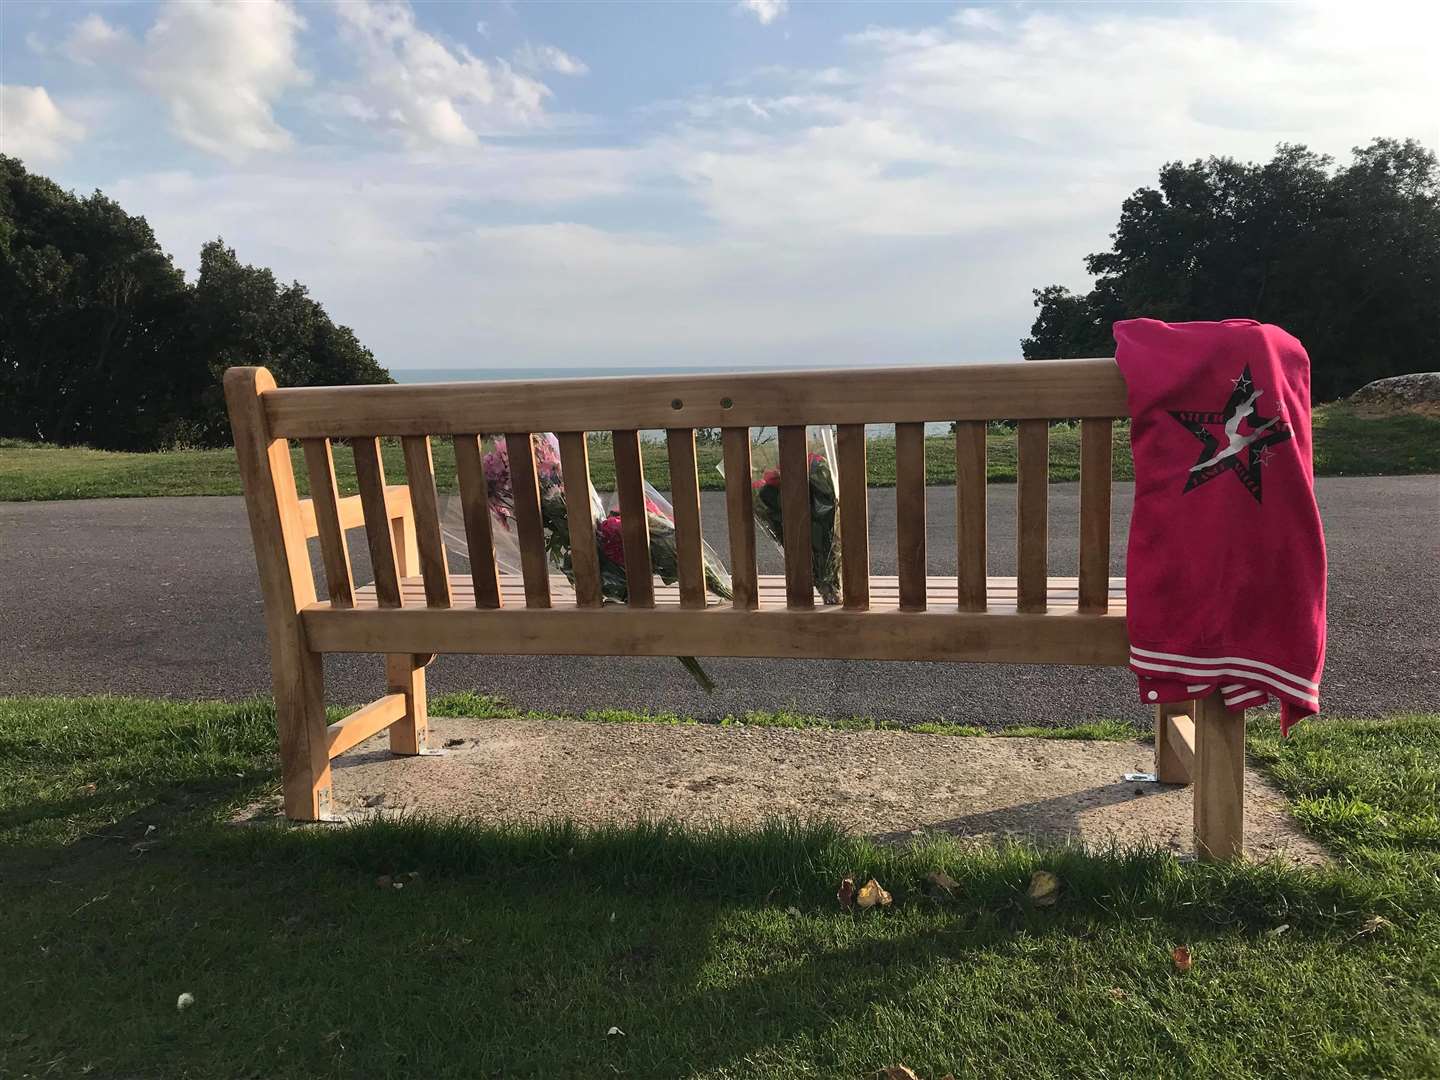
[[772, 477], [612, 542]]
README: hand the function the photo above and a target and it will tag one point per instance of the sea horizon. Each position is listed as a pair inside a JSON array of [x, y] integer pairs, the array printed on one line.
[[510, 374]]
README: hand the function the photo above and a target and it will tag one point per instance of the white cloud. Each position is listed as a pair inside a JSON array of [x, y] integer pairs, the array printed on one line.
[[430, 93], [93, 40], [898, 205], [32, 126], [220, 67], [549, 58], [1015, 120], [767, 11]]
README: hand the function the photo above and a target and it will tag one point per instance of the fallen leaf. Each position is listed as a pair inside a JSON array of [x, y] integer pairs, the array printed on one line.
[[792, 910], [1375, 924], [897, 1072], [943, 881], [846, 892], [1118, 994], [872, 894], [184, 1001], [454, 742], [1044, 888], [1278, 930], [1181, 958], [614, 1031], [89, 789]]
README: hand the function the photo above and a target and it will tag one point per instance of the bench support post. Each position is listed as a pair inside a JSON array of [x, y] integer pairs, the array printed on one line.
[[405, 672], [1219, 781], [287, 585], [1174, 752]]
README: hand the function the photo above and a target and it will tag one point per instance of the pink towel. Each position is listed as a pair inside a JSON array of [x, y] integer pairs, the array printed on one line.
[[1225, 576]]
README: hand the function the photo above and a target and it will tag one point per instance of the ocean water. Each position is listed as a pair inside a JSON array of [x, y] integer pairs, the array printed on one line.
[[511, 374]]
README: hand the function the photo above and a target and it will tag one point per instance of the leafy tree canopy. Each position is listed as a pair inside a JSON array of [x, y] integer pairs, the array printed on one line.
[[103, 342], [1347, 260]]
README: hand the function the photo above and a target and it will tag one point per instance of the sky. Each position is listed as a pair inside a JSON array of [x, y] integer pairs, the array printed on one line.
[[540, 185]]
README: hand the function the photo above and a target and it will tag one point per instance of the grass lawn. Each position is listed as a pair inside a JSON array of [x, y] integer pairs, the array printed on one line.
[[1346, 444], [721, 953]]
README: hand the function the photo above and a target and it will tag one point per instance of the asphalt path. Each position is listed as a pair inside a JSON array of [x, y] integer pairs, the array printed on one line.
[[160, 597]]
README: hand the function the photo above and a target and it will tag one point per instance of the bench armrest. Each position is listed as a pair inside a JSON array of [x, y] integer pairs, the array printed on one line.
[[397, 505]]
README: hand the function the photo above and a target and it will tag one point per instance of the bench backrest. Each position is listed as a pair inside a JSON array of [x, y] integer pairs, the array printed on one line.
[[1032, 394]]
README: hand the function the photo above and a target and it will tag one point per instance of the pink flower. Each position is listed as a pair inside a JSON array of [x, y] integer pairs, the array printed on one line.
[[816, 459], [612, 541], [772, 477]]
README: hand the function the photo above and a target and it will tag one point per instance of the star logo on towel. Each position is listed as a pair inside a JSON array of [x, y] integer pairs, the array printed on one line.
[[1236, 440]]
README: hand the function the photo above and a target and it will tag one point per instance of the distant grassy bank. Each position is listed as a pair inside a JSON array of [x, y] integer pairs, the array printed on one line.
[[1347, 443]]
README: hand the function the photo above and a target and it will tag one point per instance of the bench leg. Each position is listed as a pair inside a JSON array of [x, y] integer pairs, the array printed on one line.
[[1173, 757], [405, 673], [304, 746], [1219, 781]]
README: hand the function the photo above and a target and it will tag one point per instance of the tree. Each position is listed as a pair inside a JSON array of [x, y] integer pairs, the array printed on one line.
[[92, 320], [1347, 260], [242, 315], [102, 341]]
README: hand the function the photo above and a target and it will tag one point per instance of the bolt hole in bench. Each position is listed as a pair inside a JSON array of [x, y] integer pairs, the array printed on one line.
[[415, 608]]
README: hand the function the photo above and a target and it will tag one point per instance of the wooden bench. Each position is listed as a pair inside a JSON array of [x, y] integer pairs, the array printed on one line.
[[416, 608]]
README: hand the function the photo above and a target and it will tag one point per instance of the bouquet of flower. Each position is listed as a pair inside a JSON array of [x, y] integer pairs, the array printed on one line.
[[664, 560], [824, 508], [559, 545]]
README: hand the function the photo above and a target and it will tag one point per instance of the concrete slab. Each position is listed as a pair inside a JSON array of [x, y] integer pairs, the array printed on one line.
[[889, 784]]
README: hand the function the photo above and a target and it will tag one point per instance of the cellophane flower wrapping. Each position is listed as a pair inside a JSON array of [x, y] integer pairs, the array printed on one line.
[[559, 545], [824, 504], [664, 560]]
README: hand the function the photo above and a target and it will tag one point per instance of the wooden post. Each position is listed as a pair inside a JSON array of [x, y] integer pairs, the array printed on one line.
[[405, 674], [1219, 780], [287, 585], [1174, 757]]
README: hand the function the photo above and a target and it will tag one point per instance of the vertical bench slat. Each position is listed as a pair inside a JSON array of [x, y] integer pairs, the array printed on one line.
[[970, 473], [370, 475], [1032, 502], [795, 517], [1095, 440], [420, 472], [529, 526], [634, 522], [740, 515], [910, 514], [685, 501], [475, 508], [580, 517], [854, 516], [325, 498]]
